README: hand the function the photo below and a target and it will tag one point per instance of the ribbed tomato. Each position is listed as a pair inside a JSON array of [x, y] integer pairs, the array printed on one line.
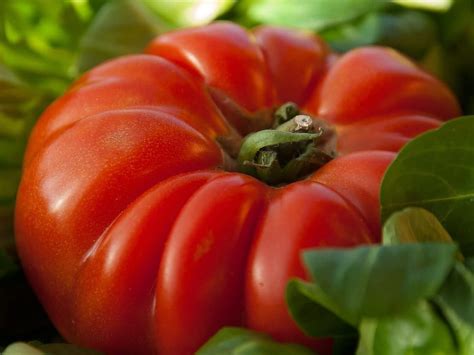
[[132, 233]]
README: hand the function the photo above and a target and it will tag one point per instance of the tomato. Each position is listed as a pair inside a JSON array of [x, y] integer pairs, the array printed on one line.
[[135, 237]]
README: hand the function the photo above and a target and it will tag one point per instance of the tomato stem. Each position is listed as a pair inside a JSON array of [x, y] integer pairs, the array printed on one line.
[[285, 113], [293, 149]]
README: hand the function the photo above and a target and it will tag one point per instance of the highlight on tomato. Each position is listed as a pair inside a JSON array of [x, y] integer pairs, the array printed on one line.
[[168, 194]]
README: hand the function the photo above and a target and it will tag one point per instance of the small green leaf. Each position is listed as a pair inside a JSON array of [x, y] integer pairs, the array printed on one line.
[[315, 14], [315, 313], [241, 341], [374, 281], [414, 225], [416, 331], [436, 172]]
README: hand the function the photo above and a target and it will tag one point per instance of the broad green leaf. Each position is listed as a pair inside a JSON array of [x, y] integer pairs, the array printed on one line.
[[315, 14], [374, 281], [36, 348], [241, 341], [120, 27], [315, 313], [436, 172], [416, 331], [457, 293]]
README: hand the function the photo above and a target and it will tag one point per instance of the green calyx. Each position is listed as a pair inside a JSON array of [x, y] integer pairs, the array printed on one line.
[[289, 152]]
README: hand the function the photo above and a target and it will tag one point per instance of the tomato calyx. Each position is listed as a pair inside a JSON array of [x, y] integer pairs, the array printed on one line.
[[296, 146]]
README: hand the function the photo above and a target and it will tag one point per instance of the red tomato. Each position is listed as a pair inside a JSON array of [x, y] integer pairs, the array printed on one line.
[[135, 238]]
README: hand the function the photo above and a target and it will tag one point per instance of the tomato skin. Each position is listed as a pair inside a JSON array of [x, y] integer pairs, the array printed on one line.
[[292, 74], [130, 82], [301, 216], [233, 70], [393, 132], [357, 177], [96, 175], [201, 280], [237, 67], [133, 236], [384, 82], [125, 262]]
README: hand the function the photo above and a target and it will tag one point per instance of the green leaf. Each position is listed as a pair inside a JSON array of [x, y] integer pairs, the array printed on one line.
[[463, 331], [414, 224], [362, 31], [456, 300], [416, 331], [436, 172], [190, 12], [371, 281], [36, 348], [433, 5], [315, 14], [315, 313], [411, 32], [120, 27], [241, 341], [457, 293]]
